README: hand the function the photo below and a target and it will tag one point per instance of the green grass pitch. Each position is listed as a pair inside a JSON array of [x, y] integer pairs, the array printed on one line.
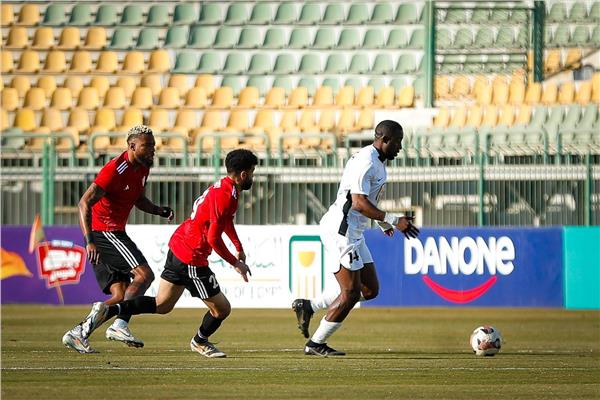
[[392, 353]]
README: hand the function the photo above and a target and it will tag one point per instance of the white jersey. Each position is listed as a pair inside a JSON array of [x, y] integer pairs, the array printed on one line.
[[364, 174]]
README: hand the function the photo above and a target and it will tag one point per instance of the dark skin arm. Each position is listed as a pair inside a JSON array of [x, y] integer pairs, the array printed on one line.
[[146, 205], [361, 203], [91, 196]]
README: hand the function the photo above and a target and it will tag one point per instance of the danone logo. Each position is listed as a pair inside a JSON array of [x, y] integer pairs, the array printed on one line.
[[60, 262], [459, 256]]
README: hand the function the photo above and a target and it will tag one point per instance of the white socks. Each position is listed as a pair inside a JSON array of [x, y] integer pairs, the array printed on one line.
[[325, 330], [327, 298]]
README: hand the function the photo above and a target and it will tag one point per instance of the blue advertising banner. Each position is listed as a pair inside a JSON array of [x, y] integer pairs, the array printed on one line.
[[469, 267]]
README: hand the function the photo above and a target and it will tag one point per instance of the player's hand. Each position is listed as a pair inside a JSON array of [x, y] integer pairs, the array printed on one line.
[[388, 230], [243, 269], [405, 225], [166, 212], [241, 256], [92, 253]]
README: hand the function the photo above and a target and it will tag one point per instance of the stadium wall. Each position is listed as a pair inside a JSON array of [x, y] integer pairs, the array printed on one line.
[[479, 267]]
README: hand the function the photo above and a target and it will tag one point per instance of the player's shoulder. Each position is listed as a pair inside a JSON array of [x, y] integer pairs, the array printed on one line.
[[118, 165], [365, 156]]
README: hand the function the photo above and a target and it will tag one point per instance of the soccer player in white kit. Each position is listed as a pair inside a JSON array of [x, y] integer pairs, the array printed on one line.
[[342, 229]]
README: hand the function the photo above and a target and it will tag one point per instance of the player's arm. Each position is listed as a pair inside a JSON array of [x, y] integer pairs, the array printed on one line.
[[91, 196], [215, 239], [147, 206], [386, 221], [232, 235]]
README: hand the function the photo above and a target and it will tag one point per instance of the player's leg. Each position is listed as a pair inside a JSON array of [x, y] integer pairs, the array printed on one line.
[[369, 282]]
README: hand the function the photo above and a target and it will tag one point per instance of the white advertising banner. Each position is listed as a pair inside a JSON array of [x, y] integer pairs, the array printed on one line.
[[286, 261]]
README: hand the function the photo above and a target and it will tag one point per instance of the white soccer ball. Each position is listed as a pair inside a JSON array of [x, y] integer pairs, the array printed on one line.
[[486, 340]]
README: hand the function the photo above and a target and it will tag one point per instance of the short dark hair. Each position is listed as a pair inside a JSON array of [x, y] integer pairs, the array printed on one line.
[[240, 160], [137, 131], [387, 128]]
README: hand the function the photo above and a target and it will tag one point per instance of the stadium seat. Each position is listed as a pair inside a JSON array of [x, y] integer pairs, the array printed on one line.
[[95, 38], [210, 14], [106, 15], [460, 87], [122, 39], [484, 38], [406, 64], [365, 96], [101, 84], [275, 39], [250, 38], [235, 63], [584, 93], [7, 14], [310, 63], [346, 122], [310, 14], [382, 14], [29, 62], [70, 39], [152, 82], [223, 97], [549, 94], [345, 97], [226, 38], [133, 15], [373, 39], [43, 39], [261, 14], [158, 120], [358, 14], [366, 120], [336, 64], [407, 14], [81, 15], [359, 64], [298, 97], [566, 93], [207, 82], [286, 14], [141, 98], [48, 84], [169, 98], [128, 84], [186, 63], [417, 39], [158, 15], [284, 82], [210, 63], [196, 98], [179, 82], [130, 118], [184, 14], [561, 37], [17, 38], [55, 62], [248, 97], [133, 62], [237, 14], [406, 98], [300, 38], [115, 98], [62, 99], [382, 64], [557, 13], [29, 15], [148, 39], [334, 14], [263, 124], [6, 61], [10, 99], [275, 98], [74, 84], [159, 61], [177, 37], [25, 120], [260, 64], [325, 38]]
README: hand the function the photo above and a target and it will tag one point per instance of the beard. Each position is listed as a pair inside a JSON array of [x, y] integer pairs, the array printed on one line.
[[246, 185], [148, 162]]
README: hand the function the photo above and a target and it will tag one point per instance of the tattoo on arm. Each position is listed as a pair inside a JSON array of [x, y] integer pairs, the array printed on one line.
[[91, 196]]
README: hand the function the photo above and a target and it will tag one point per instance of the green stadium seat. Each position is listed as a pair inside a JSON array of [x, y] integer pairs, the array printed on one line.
[[186, 63], [519, 16], [484, 38], [594, 15], [260, 64], [284, 82], [358, 14], [275, 39], [324, 39], [589, 118], [122, 39], [540, 114], [184, 14], [443, 38], [562, 36], [309, 83], [235, 63], [499, 15], [310, 14], [349, 39], [300, 38], [359, 64], [407, 14], [383, 64], [336, 64], [355, 83], [133, 15], [572, 117], [398, 84], [382, 14], [417, 39], [176, 37], [286, 14], [581, 36], [259, 82], [158, 15], [210, 63], [210, 14], [55, 15], [106, 15], [377, 83], [333, 83], [261, 14], [456, 16], [373, 39], [201, 37], [555, 117], [148, 39], [250, 38], [310, 64], [81, 15], [406, 64], [234, 82], [237, 14], [557, 13], [480, 16], [227, 38], [334, 14], [505, 37], [595, 39], [420, 84], [522, 37], [397, 39], [285, 63]]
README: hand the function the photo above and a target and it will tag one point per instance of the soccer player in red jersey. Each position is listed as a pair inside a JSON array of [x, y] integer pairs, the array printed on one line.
[[103, 212], [187, 267]]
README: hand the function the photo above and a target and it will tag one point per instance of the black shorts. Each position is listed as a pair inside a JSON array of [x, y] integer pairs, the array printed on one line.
[[201, 282], [118, 256]]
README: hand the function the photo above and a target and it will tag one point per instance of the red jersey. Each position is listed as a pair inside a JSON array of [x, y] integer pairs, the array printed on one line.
[[123, 185], [213, 213]]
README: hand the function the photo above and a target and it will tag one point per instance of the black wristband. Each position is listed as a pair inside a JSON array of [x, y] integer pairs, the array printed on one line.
[[89, 238]]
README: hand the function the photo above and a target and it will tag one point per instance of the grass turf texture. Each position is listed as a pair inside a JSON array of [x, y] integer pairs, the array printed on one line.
[[392, 353]]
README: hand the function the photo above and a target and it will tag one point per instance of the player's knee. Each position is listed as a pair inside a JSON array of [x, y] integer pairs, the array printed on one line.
[[164, 308], [144, 274], [369, 293], [221, 311], [350, 297]]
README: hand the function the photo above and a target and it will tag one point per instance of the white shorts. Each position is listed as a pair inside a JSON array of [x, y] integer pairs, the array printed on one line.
[[352, 253]]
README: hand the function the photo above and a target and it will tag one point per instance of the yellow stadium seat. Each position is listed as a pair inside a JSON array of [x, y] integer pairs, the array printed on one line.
[[104, 121], [308, 121], [55, 62], [345, 97], [365, 97], [507, 116], [500, 92], [115, 98], [298, 98], [483, 95], [584, 93], [128, 84], [51, 122], [79, 121], [323, 97], [442, 87], [196, 98], [385, 97], [185, 121], [35, 99], [159, 61], [74, 84], [29, 15], [88, 98], [43, 39], [459, 117], [566, 93], [442, 118], [180, 82], [573, 59], [223, 97], [29, 62], [248, 97], [346, 122], [21, 83], [169, 98], [517, 93], [406, 97], [207, 82], [154, 82], [475, 117], [81, 62], [4, 121], [460, 87], [95, 39], [17, 38], [552, 63], [7, 15], [264, 123], [549, 94], [62, 99], [327, 120], [533, 95], [6, 62], [25, 120], [133, 63], [141, 98], [275, 98], [101, 84], [524, 115], [490, 116], [158, 120], [366, 119], [289, 125], [596, 87], [131, 117], [107, 62], [70, 38], [10, 99]]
